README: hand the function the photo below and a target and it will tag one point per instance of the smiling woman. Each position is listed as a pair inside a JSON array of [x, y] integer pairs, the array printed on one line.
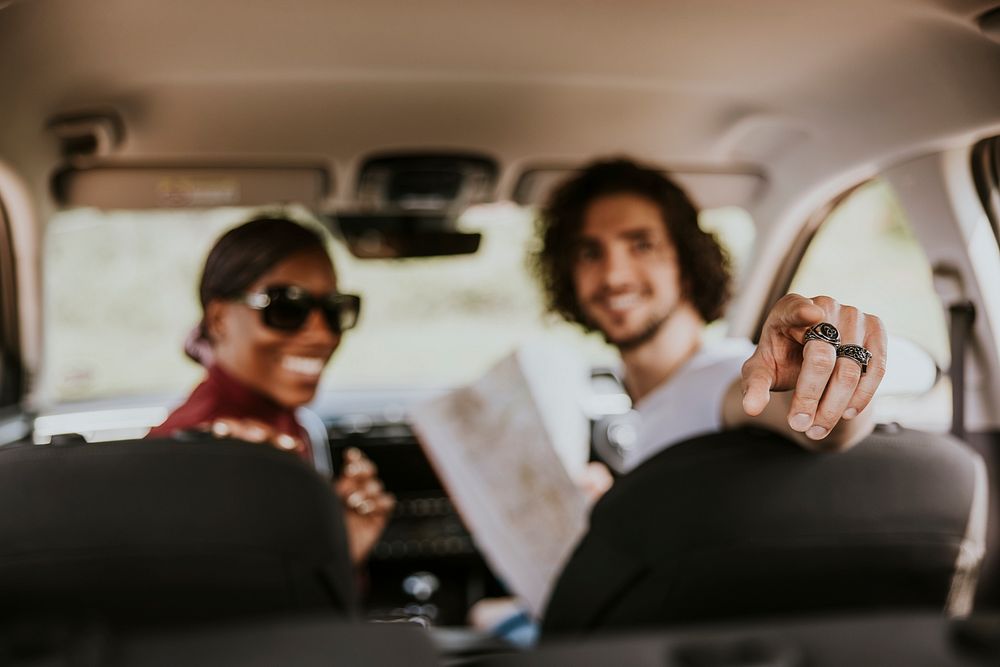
[[272, 320], [261, 336]]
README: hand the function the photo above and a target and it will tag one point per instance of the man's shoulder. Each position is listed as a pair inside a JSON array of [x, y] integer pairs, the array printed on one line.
[[718, 362], [724, 349]]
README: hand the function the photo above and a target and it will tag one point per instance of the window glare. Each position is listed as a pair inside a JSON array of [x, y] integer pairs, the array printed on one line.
[[121, 297], [866, 255]]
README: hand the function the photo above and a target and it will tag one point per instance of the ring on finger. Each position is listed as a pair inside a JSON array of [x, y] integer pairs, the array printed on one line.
[[286, 442], [823, 331], [856, 353], [356, 500], [221, 429]]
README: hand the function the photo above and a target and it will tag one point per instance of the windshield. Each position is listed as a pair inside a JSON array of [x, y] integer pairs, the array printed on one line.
[[121, 297]]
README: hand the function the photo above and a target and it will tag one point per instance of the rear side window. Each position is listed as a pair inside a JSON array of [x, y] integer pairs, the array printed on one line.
[[10, 369], [888, 275]]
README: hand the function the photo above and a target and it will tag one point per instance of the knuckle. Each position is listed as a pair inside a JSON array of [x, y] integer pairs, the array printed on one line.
[[805, 403], [826, 417], [824, 301], [873, 320], [862, 397], [847, 372], [824, 362]]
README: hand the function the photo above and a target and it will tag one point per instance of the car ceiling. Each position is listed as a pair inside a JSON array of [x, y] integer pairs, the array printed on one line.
[[813, 95], [801, 89]]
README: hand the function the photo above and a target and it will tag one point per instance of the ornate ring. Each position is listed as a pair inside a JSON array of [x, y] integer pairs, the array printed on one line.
[[221, 429], [823, 331], [856, 353]]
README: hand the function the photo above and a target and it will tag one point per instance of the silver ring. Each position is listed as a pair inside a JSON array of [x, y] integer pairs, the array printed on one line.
[[823, 331], [360, 504], [221, 429], [856, 353]]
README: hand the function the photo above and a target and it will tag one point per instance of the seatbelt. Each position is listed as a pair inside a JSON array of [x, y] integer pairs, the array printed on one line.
[[961, 316]]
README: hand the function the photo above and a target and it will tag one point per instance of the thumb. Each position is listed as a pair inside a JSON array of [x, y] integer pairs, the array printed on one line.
[[757, 382]]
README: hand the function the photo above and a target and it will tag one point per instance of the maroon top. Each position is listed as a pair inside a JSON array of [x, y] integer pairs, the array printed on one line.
[[221, 395]]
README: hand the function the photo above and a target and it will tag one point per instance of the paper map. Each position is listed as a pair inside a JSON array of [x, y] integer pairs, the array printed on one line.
[[507, 448]]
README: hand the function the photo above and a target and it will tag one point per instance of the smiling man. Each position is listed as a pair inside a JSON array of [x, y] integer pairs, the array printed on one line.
[[622, 254]]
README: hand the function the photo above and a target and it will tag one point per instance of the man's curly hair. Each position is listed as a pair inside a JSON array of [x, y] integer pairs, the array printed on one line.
[[704, 266]]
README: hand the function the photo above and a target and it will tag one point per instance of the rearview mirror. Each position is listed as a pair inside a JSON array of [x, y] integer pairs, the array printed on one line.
[[401, 236]]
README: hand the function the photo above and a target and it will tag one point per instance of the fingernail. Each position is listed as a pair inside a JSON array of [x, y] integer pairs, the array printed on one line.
[[220, 429], [816, 432], [255, 434], [800, 422], [850, 413]]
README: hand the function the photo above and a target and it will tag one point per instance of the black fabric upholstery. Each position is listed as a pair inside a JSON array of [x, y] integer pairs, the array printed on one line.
[[298, 642], [295, 640], [168, 530], [746, 524], [872, 640]]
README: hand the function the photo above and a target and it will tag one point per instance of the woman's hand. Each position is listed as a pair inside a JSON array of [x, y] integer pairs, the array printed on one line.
[[595, 481], [367, 506], [366, 503]]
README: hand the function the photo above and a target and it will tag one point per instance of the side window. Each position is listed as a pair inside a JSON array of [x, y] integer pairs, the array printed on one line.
[[865, 254], [10, 376]]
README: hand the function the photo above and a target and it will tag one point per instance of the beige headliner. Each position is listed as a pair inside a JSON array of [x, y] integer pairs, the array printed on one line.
[[780, 83], [813, 94]]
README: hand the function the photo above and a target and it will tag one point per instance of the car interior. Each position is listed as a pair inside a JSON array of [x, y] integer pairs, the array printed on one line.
[[845, 148]]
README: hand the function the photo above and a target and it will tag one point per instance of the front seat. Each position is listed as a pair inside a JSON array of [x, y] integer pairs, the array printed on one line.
[[746, 524], [165, 530]]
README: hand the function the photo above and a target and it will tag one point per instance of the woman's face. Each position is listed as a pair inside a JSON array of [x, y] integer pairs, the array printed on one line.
[[284, 366]]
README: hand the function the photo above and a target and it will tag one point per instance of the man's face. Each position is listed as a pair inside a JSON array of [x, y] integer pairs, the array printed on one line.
[[625, 269]]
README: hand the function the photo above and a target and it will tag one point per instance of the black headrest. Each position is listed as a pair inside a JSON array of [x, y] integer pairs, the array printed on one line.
[[746, 524], [168, 529]]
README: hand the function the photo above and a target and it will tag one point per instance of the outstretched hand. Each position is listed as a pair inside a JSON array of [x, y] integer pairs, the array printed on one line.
[[827, 387]]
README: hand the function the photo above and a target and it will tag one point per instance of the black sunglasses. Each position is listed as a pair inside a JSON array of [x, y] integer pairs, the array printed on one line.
[[287, 307]]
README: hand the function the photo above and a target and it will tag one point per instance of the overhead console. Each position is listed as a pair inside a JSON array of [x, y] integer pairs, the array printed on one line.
[[408, 204]]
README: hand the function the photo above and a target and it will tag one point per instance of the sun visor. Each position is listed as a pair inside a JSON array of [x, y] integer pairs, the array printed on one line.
[[157, 187], [708, 188]]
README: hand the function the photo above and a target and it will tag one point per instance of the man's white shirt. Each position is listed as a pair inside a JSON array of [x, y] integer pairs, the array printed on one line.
[[689, 403]]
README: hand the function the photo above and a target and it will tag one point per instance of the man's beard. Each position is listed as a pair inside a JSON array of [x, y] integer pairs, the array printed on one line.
[[648, 333]]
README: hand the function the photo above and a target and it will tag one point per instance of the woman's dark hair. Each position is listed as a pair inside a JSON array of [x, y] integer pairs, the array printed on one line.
[[704, 267], [241, 256], [245, 253]]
